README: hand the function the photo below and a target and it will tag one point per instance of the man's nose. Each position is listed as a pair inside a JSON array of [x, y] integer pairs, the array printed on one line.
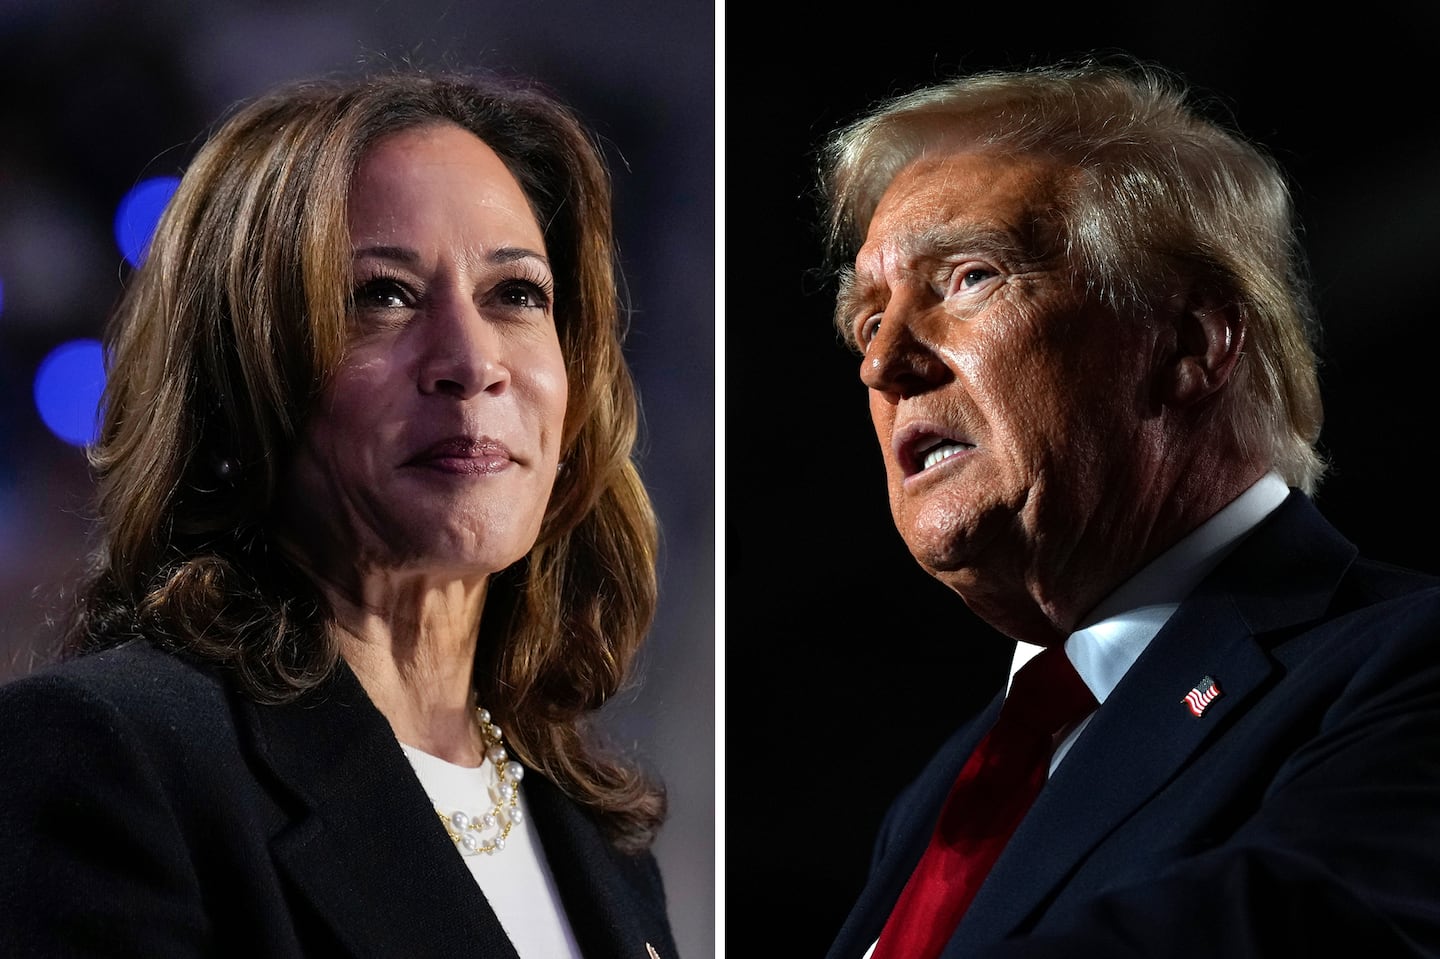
[[902, 358]]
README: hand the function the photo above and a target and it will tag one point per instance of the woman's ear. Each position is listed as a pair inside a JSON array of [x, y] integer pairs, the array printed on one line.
[[1209, 333]]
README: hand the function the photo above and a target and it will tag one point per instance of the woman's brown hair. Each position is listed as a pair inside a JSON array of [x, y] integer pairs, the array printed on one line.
[[228, 332]]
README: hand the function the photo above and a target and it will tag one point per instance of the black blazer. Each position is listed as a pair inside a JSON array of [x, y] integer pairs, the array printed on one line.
[[1299, 815], [148, 810]]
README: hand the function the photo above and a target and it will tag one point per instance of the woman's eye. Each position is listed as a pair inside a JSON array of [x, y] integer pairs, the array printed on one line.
[[382, 294], [524, 295]]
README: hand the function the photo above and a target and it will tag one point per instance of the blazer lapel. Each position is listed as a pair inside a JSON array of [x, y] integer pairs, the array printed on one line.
[[364, 845], [1144, 733], [615, 902]]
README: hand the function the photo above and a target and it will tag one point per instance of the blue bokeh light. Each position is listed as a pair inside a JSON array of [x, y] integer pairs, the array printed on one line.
[[137, 214], [68, 387]]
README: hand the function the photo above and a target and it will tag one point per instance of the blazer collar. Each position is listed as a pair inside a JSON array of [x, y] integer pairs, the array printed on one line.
[[615, 902], [1284, 575], [362, 832]]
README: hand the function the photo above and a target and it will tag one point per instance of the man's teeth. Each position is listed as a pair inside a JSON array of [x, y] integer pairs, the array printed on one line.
[[942, 452]]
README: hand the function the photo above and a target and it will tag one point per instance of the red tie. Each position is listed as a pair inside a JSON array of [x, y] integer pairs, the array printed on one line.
[[989, 798]]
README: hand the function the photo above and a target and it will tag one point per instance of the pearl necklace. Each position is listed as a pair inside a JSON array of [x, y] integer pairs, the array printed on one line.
[[476, 834]]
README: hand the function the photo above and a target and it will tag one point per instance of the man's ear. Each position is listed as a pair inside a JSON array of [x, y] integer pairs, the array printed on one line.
[[1209, 333]]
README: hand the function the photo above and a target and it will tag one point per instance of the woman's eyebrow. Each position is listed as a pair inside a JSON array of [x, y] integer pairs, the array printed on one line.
[[509, 254], [404, 254]]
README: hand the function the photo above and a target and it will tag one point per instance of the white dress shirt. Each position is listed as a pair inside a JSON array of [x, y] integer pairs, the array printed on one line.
[[1117, 631]]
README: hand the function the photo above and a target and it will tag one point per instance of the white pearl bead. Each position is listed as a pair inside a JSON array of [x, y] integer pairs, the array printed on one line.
[[504, 793]]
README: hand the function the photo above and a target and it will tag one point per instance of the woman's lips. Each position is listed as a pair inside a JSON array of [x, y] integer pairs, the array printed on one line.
[[463, 455]]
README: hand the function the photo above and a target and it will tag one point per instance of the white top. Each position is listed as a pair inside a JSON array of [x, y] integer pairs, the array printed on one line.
[[516, 880], [1106, 645]]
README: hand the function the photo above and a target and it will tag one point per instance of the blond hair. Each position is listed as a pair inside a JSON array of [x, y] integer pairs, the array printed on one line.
[[1160, 191]]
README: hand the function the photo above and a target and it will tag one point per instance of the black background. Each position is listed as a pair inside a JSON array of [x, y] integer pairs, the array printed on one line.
[[845, 665]]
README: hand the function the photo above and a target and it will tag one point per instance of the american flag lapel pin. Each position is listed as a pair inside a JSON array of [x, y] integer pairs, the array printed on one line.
[[1202, 695]]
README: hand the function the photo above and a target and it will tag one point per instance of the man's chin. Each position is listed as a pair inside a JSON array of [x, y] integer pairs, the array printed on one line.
[[953, 562], [942, 539]]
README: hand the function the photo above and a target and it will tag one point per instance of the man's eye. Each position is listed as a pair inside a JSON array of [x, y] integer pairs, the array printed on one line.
[[867, 329], [975, 276]]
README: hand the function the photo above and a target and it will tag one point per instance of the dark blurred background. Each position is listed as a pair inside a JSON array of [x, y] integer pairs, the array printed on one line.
[[846, 665], [98, 95]]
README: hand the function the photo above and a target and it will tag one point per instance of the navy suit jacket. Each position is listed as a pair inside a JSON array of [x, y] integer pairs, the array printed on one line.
[[1298, 815], [147, 810]]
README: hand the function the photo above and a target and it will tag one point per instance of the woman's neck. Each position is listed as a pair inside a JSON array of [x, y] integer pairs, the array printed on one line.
[[412, 646]]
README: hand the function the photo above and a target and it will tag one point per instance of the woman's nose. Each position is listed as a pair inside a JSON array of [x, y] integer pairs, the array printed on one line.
[[463, 350]]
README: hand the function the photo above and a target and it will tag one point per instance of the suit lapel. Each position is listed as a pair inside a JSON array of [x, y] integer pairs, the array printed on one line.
[[1135, 743], [905, 834], [364, 846], [1144, 733]]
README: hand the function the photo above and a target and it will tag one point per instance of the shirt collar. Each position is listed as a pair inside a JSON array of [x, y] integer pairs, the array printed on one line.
[[1117, 631]]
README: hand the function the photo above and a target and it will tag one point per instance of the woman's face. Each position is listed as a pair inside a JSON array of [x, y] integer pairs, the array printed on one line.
[[434, 448]]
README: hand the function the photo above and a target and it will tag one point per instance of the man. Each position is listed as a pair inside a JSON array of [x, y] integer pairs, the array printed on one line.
[[1081, 319]]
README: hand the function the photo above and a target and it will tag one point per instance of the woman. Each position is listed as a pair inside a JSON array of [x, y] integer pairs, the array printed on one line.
[[374, 548]]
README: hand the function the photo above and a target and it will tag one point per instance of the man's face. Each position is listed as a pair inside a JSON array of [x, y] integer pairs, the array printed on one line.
[[1010, 407]]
